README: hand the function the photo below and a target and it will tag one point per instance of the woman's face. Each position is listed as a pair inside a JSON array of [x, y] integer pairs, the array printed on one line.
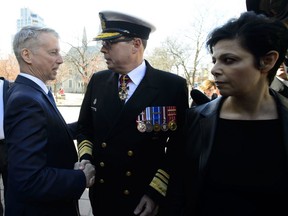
[[234, 71], [209, 92]]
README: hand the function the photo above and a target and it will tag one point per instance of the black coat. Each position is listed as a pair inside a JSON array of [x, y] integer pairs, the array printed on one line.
[[201, 127]]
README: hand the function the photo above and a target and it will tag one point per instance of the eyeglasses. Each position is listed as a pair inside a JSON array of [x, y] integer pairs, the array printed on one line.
[[108, 43]]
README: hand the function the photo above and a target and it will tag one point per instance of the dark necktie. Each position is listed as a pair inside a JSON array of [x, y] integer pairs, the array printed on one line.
[[123, 88], [50, 95]]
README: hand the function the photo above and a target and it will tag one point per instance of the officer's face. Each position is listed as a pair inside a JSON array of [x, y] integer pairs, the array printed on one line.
[[118, 54]]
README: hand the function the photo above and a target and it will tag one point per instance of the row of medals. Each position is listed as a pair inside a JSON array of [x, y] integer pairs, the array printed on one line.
[[147, 126]]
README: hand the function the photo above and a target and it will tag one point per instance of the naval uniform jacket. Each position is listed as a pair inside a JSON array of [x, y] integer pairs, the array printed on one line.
[[201, 124], [41, 155], [126, 159]]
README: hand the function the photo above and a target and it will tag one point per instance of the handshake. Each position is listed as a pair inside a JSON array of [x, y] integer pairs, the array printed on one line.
[[88, 169]]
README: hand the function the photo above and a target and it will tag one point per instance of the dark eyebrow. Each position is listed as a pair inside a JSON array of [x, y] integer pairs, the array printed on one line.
[[225, 55]]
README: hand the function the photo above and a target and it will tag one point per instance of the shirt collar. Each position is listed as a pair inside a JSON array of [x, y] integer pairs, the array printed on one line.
[[36, 80], [138, 73]]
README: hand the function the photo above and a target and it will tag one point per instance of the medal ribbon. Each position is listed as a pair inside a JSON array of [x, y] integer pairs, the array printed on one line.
[[156, 115], [148, 114], [140, 117], [163, 114], [170, 113]]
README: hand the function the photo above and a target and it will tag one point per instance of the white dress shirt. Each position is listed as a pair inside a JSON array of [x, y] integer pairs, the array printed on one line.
[[1, 110], [136, 76]]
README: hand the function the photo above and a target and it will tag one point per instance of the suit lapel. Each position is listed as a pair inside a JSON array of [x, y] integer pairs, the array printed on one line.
[[111, 100], [144, 94], [26, 81], [208, 129], [147, 90]]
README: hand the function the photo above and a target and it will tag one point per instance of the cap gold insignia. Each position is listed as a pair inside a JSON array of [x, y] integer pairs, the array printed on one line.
[[103, 23], [107, 34]]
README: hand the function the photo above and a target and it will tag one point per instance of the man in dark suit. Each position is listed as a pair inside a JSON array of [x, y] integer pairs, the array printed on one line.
[[127, 124], [44, 177]]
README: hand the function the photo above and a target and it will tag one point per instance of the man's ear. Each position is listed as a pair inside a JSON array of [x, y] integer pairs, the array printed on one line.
[[137, 43], [268, 61], [26, 55]]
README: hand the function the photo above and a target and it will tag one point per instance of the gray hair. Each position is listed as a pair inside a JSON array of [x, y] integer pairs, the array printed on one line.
[[27, 37]]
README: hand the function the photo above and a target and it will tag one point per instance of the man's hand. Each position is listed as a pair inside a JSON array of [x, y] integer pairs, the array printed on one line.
[[89, 171], [81, 165], [147, 207]]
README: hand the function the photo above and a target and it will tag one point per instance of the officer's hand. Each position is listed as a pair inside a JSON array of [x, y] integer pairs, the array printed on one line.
[[147, 207], [89, 171], [81, 165]]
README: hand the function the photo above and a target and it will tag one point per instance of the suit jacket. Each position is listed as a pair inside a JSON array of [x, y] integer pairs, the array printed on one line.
[[126, 159], [41, 155], [280, 87], [201, 124]]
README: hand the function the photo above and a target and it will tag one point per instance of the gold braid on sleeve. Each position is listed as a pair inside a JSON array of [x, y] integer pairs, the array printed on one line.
[[160, 182], [85, 147]]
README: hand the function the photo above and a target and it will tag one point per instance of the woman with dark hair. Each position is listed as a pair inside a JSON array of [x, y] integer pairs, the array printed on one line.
[[236, 145]]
